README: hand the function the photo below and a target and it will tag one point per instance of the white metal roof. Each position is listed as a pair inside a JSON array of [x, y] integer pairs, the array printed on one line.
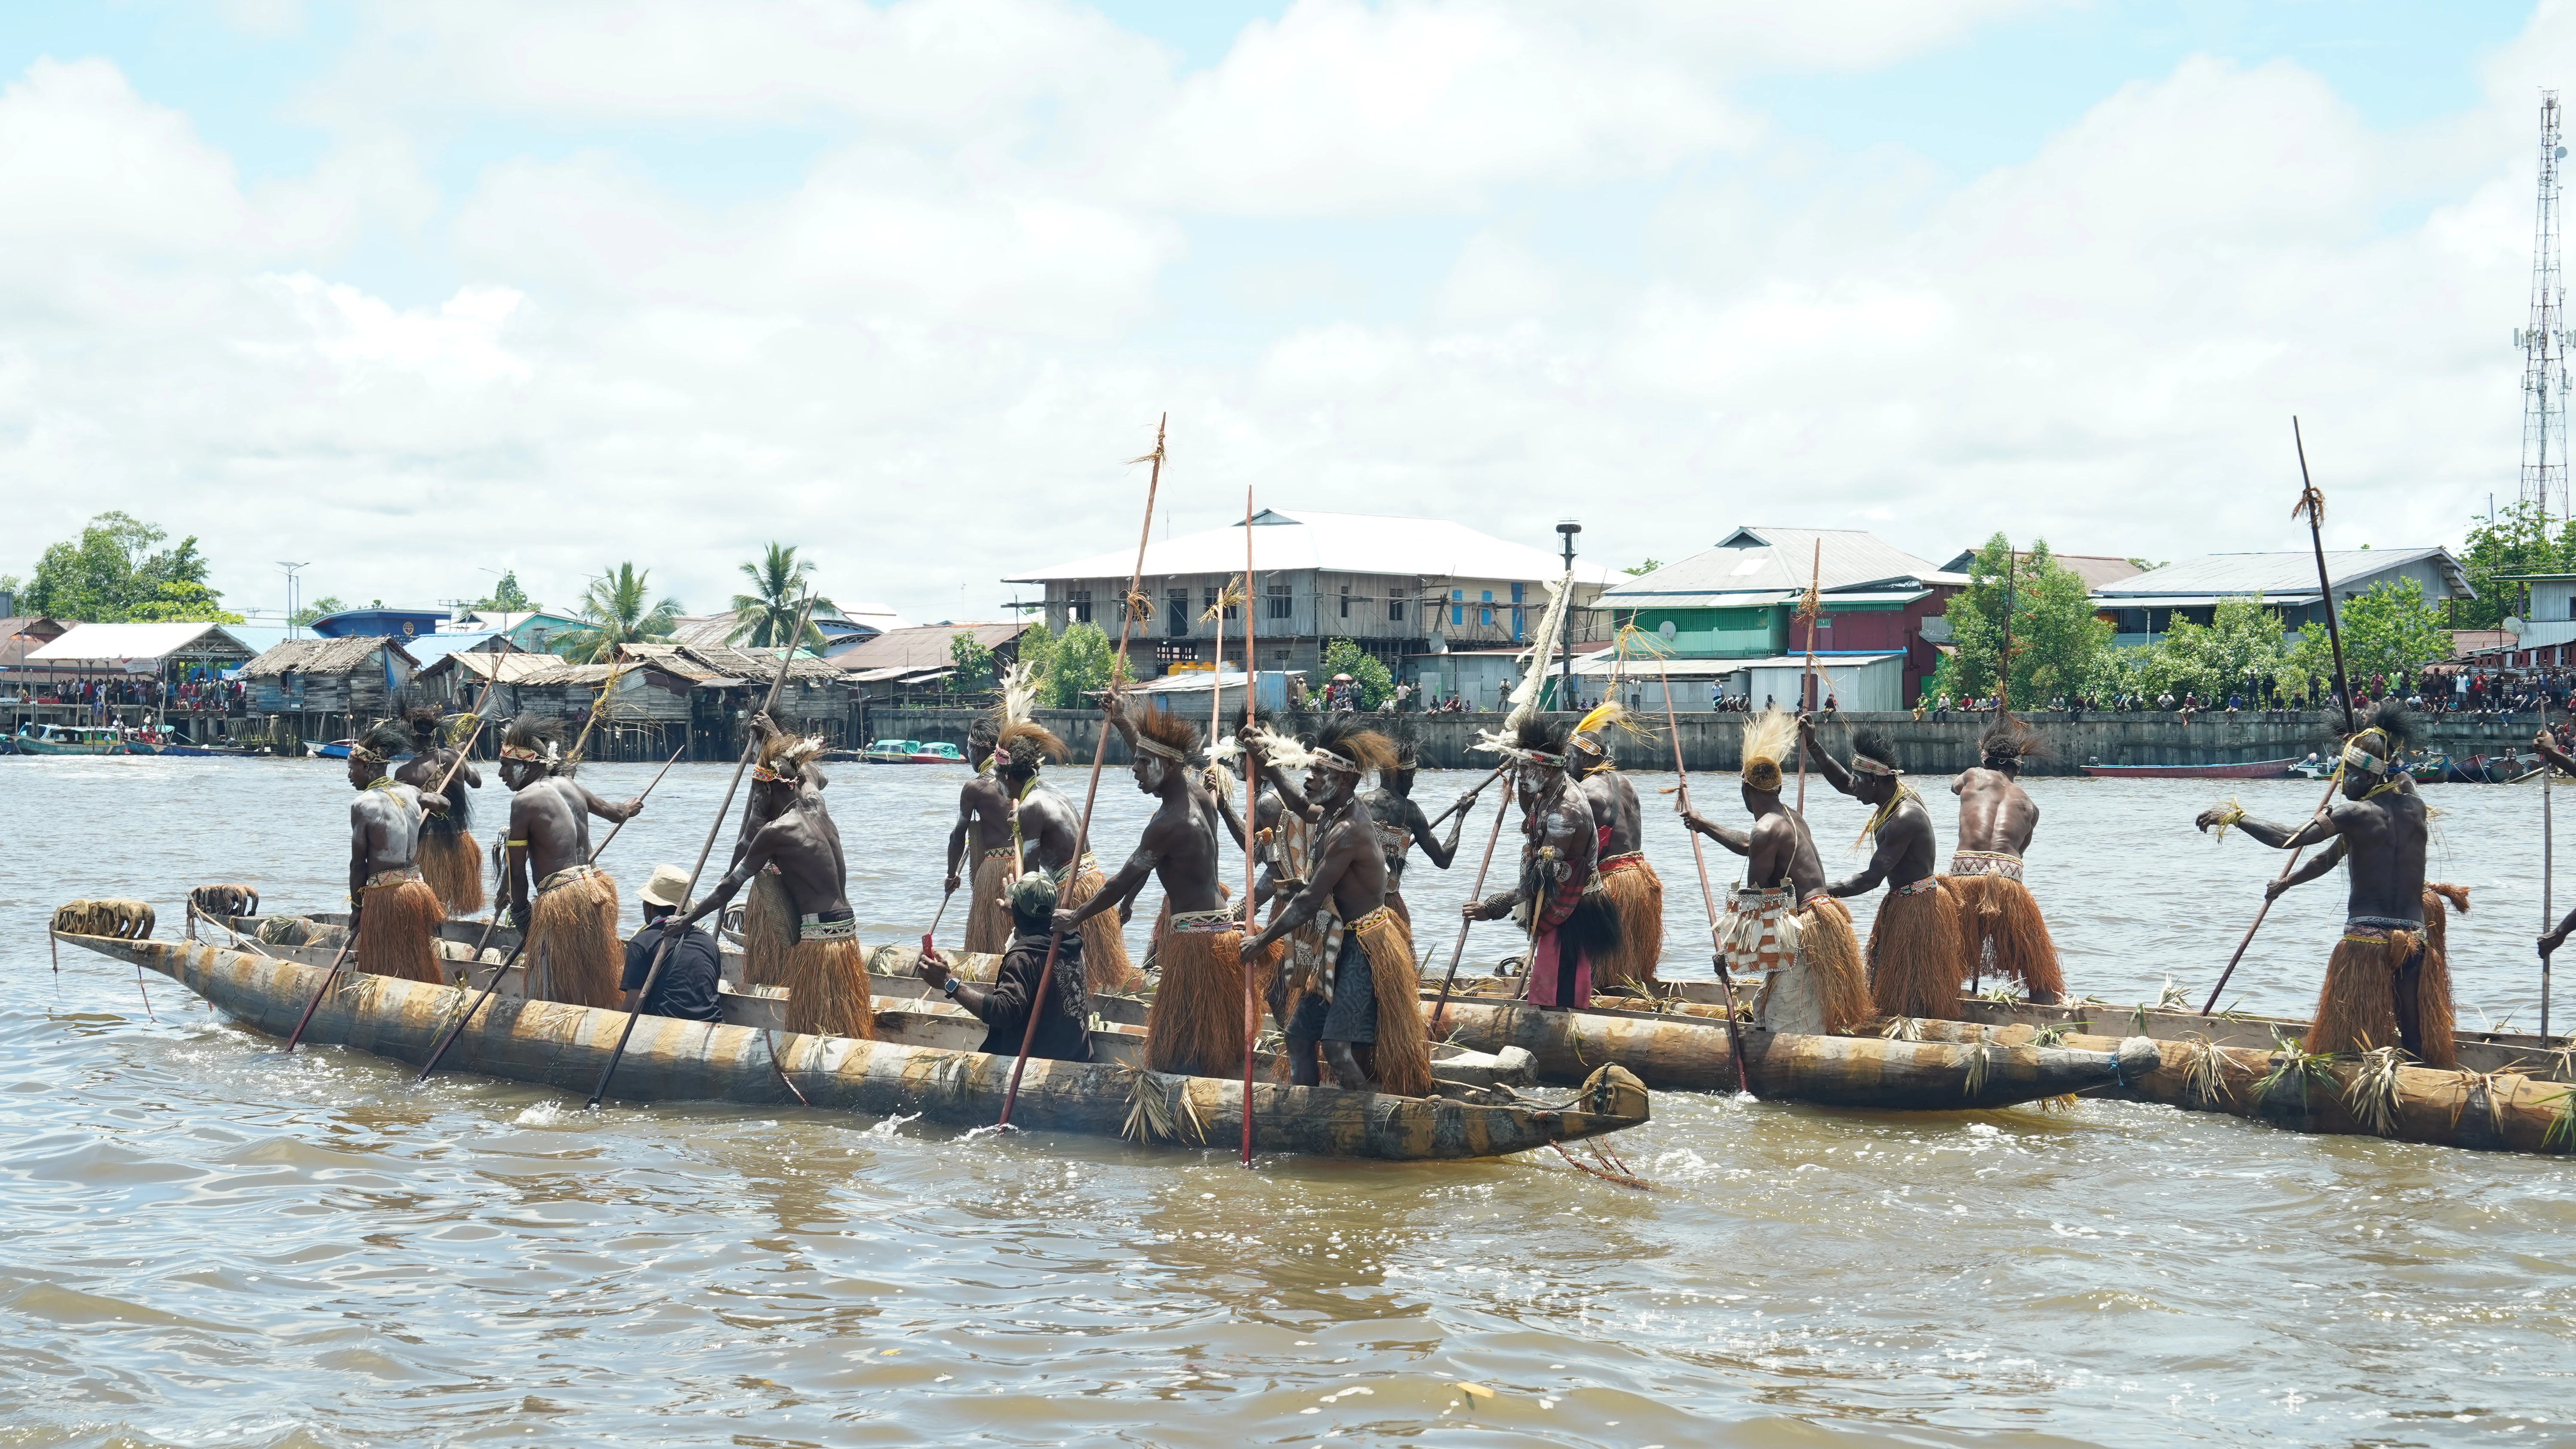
[[1761, 559], [1358, 543], [1593, 665], [2281, 573], [88, 642]]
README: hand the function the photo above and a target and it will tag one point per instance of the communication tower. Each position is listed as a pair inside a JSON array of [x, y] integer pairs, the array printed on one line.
[[2544, 342]]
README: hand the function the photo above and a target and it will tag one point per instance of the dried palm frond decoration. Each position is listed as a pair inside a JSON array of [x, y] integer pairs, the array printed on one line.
[[2294, 1065], [1229, 597], [2064, 1102], [1151, 1113], [2001, 993], [2499, 1087], [1902, 1028], [2205, 1079], [2370, 1093], [2052, 1034], [2561, 1136], [1979, 1058], [2172, 997]]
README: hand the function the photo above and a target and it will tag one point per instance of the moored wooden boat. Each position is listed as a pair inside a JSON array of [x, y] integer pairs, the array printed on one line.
[[548, 1044], [2239, 770]]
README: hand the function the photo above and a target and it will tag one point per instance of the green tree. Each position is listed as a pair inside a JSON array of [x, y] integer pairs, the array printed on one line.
[[2518, 540], [972, 665], [1376, 685], [767, 615], [112, 575], [2392, 630], [1068, 667], [321, 608], [2058, 643], [1643, 569], [2240, 646], [507, 597], [617, 613]]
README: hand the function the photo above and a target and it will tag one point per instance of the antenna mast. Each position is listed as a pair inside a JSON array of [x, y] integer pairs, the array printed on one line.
[[2544, 342]]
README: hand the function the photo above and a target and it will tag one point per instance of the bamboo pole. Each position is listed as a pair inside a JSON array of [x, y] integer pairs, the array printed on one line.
[[1099, 757], [1707, 897], [1502, 812], [662, 953], [1810, 606], [1251, 817], [2548, 870]]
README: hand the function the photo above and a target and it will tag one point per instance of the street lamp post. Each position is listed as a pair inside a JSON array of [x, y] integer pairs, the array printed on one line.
[[291, 590], [1567, 529]]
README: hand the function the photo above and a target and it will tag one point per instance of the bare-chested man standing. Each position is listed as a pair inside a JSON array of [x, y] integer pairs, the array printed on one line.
[[1401, 825], [1780, 922], [2385, 984], [1351, 979], [2001, 921], [1916, 965], [825, 977], [1047, 830], [1570, 922], [573, 953], [1630, 884], [984, 826], [1196, 1023], [395, 914]]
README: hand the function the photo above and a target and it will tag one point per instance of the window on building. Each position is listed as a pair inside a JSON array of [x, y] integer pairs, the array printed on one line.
[[1278, 601], [1177, 605], [1457, 613], [1077, 606], [1346, 601], [1395, 604], [1485, 615]]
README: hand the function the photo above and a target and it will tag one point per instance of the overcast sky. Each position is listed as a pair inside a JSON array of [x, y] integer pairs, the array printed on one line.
[[420, 291]]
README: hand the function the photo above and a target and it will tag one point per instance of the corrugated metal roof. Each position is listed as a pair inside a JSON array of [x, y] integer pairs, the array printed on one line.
[[1679, 668], [1359, 543], [36, 624], [2282, 573], [91, 642], [516, 667], [923, 646], [430, 648], [2094, 569], [1766, 560], [2194, 601], [322, 656], [722, 666]]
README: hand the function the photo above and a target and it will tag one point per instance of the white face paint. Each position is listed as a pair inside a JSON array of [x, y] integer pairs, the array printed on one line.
[[1149, 773]]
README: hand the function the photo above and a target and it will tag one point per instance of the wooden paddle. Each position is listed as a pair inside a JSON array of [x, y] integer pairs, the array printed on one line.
[[750, 748], [1099, 757], [1251, 816], [1502, 812], [1707, 897]]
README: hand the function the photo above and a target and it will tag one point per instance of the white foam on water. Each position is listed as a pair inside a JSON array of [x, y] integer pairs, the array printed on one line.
[[892, 1126]]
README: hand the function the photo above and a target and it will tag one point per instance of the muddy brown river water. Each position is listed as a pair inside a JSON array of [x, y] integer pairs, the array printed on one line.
[[202, 1243]]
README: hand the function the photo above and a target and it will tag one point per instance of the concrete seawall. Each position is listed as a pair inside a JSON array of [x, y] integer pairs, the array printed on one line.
[[1928, 746]]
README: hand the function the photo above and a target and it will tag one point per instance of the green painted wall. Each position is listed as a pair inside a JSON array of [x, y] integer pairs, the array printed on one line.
[[1755, 633]]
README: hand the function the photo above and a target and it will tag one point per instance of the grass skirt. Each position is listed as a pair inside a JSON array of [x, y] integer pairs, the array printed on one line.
[[768, 930], [573, 954], [1832, 949], [1637, 894], [827, 990], [1195, 1025], [988, 920], [1104, 946], [398, 932], [1914, 963], [2000, 909], [452, 864], [1401, 1057], [2436, 928], [2371, 984]]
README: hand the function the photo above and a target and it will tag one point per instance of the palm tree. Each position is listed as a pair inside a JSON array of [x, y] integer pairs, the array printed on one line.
[[765, 618], [616, 612]]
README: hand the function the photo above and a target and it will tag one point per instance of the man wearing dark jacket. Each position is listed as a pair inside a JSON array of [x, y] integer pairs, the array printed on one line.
[[687, 987], [1064, 1017]]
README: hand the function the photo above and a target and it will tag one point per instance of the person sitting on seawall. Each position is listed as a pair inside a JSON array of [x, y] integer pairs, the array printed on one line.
[[687, 987], [1064, 1022]]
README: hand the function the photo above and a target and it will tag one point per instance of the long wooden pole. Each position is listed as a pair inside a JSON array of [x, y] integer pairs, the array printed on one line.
[[1502, 812], [1810, 605], [602, 848], [1099, 757], [2265, 909], [662, 952], [2548, 864], [2313, 504], [1251, 817], [1708, 898]]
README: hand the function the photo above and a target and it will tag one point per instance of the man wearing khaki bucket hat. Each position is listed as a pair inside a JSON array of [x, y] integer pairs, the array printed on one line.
[[688, 986]]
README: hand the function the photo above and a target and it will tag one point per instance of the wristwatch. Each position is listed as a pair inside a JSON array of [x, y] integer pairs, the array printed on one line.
[[949, 986]]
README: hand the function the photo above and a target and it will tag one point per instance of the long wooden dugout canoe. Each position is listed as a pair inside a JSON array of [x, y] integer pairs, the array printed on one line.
[[2543, 1059], [2494, 1111], [565, 1047], [1687, 1053]]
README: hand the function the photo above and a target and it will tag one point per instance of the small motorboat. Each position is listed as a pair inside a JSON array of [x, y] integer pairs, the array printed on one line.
[[889, 752], [937, 752], [54, 739], [336, 750], [2248, 770]]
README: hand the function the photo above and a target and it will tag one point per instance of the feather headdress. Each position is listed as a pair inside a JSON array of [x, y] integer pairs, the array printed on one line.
[[1163, 732], [533, 739], [1348, 745], [1768, 738], [381, 743], [785, 756], [2008, 741], [2392, 730], [1608, 715], [1873, 752], [1026, 743]]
